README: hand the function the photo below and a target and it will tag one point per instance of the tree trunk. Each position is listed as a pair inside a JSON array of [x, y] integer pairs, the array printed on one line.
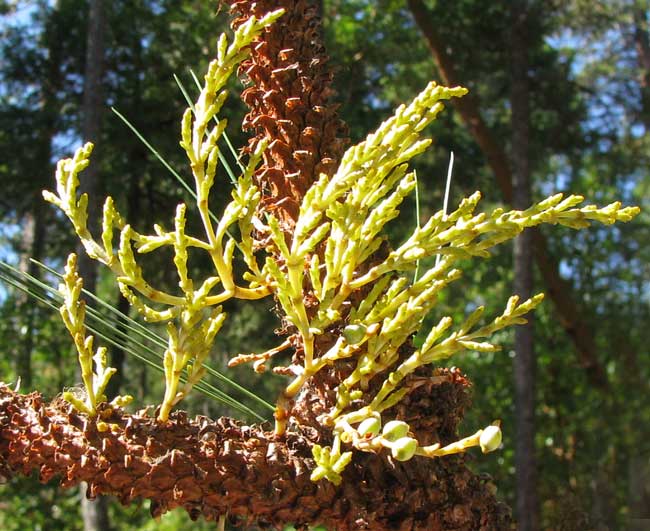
[[33, 239], [95, 513], [642, 44], [34, 225], [91, 124], [524, 361], [558, 289]]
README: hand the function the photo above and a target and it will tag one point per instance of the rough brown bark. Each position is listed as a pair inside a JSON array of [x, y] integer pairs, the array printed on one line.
[[289, 102], [524, 363], [558, 289], [215, 467], [320, 5], [319, 133]]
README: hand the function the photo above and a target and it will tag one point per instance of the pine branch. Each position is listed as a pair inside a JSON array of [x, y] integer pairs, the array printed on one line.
[[350, 312], [214, 468], [289, 98]]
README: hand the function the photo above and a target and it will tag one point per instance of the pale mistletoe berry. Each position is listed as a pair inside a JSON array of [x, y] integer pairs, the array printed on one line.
[[404, 449], [395, 429], [490, 439]]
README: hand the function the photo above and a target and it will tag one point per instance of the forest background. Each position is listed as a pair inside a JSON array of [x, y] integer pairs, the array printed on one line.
[[587, 87]]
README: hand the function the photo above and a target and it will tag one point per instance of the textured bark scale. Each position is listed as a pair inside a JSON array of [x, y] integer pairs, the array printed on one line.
[[289, 104], [213, 467]]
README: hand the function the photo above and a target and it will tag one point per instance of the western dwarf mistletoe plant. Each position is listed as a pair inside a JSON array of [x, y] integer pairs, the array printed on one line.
[[308, 223]]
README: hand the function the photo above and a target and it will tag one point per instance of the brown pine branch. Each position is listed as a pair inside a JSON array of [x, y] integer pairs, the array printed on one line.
[[289, 104], [558, 289], [211, 468]]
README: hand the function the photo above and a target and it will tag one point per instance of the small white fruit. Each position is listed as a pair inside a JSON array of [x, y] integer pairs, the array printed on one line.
[[490, 439], [395, 429], [369, 427], [403, 449]]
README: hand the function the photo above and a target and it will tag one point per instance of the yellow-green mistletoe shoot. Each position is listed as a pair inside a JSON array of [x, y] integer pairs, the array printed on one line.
[[324, 272]]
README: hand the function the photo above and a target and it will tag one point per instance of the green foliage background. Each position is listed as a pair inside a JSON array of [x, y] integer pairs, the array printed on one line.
[[589, 136]]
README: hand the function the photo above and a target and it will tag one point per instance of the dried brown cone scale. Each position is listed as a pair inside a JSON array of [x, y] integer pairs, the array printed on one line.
[[211, 468], [289, 104]]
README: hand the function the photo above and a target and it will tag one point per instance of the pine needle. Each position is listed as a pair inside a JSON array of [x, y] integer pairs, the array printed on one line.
[[155, 153], [112, 334], [445, 206], [149, 335], [445, 202], [168, 166], [417, 220]]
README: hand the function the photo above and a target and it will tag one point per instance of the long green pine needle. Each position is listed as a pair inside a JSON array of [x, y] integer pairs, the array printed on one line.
[[50, 297]]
